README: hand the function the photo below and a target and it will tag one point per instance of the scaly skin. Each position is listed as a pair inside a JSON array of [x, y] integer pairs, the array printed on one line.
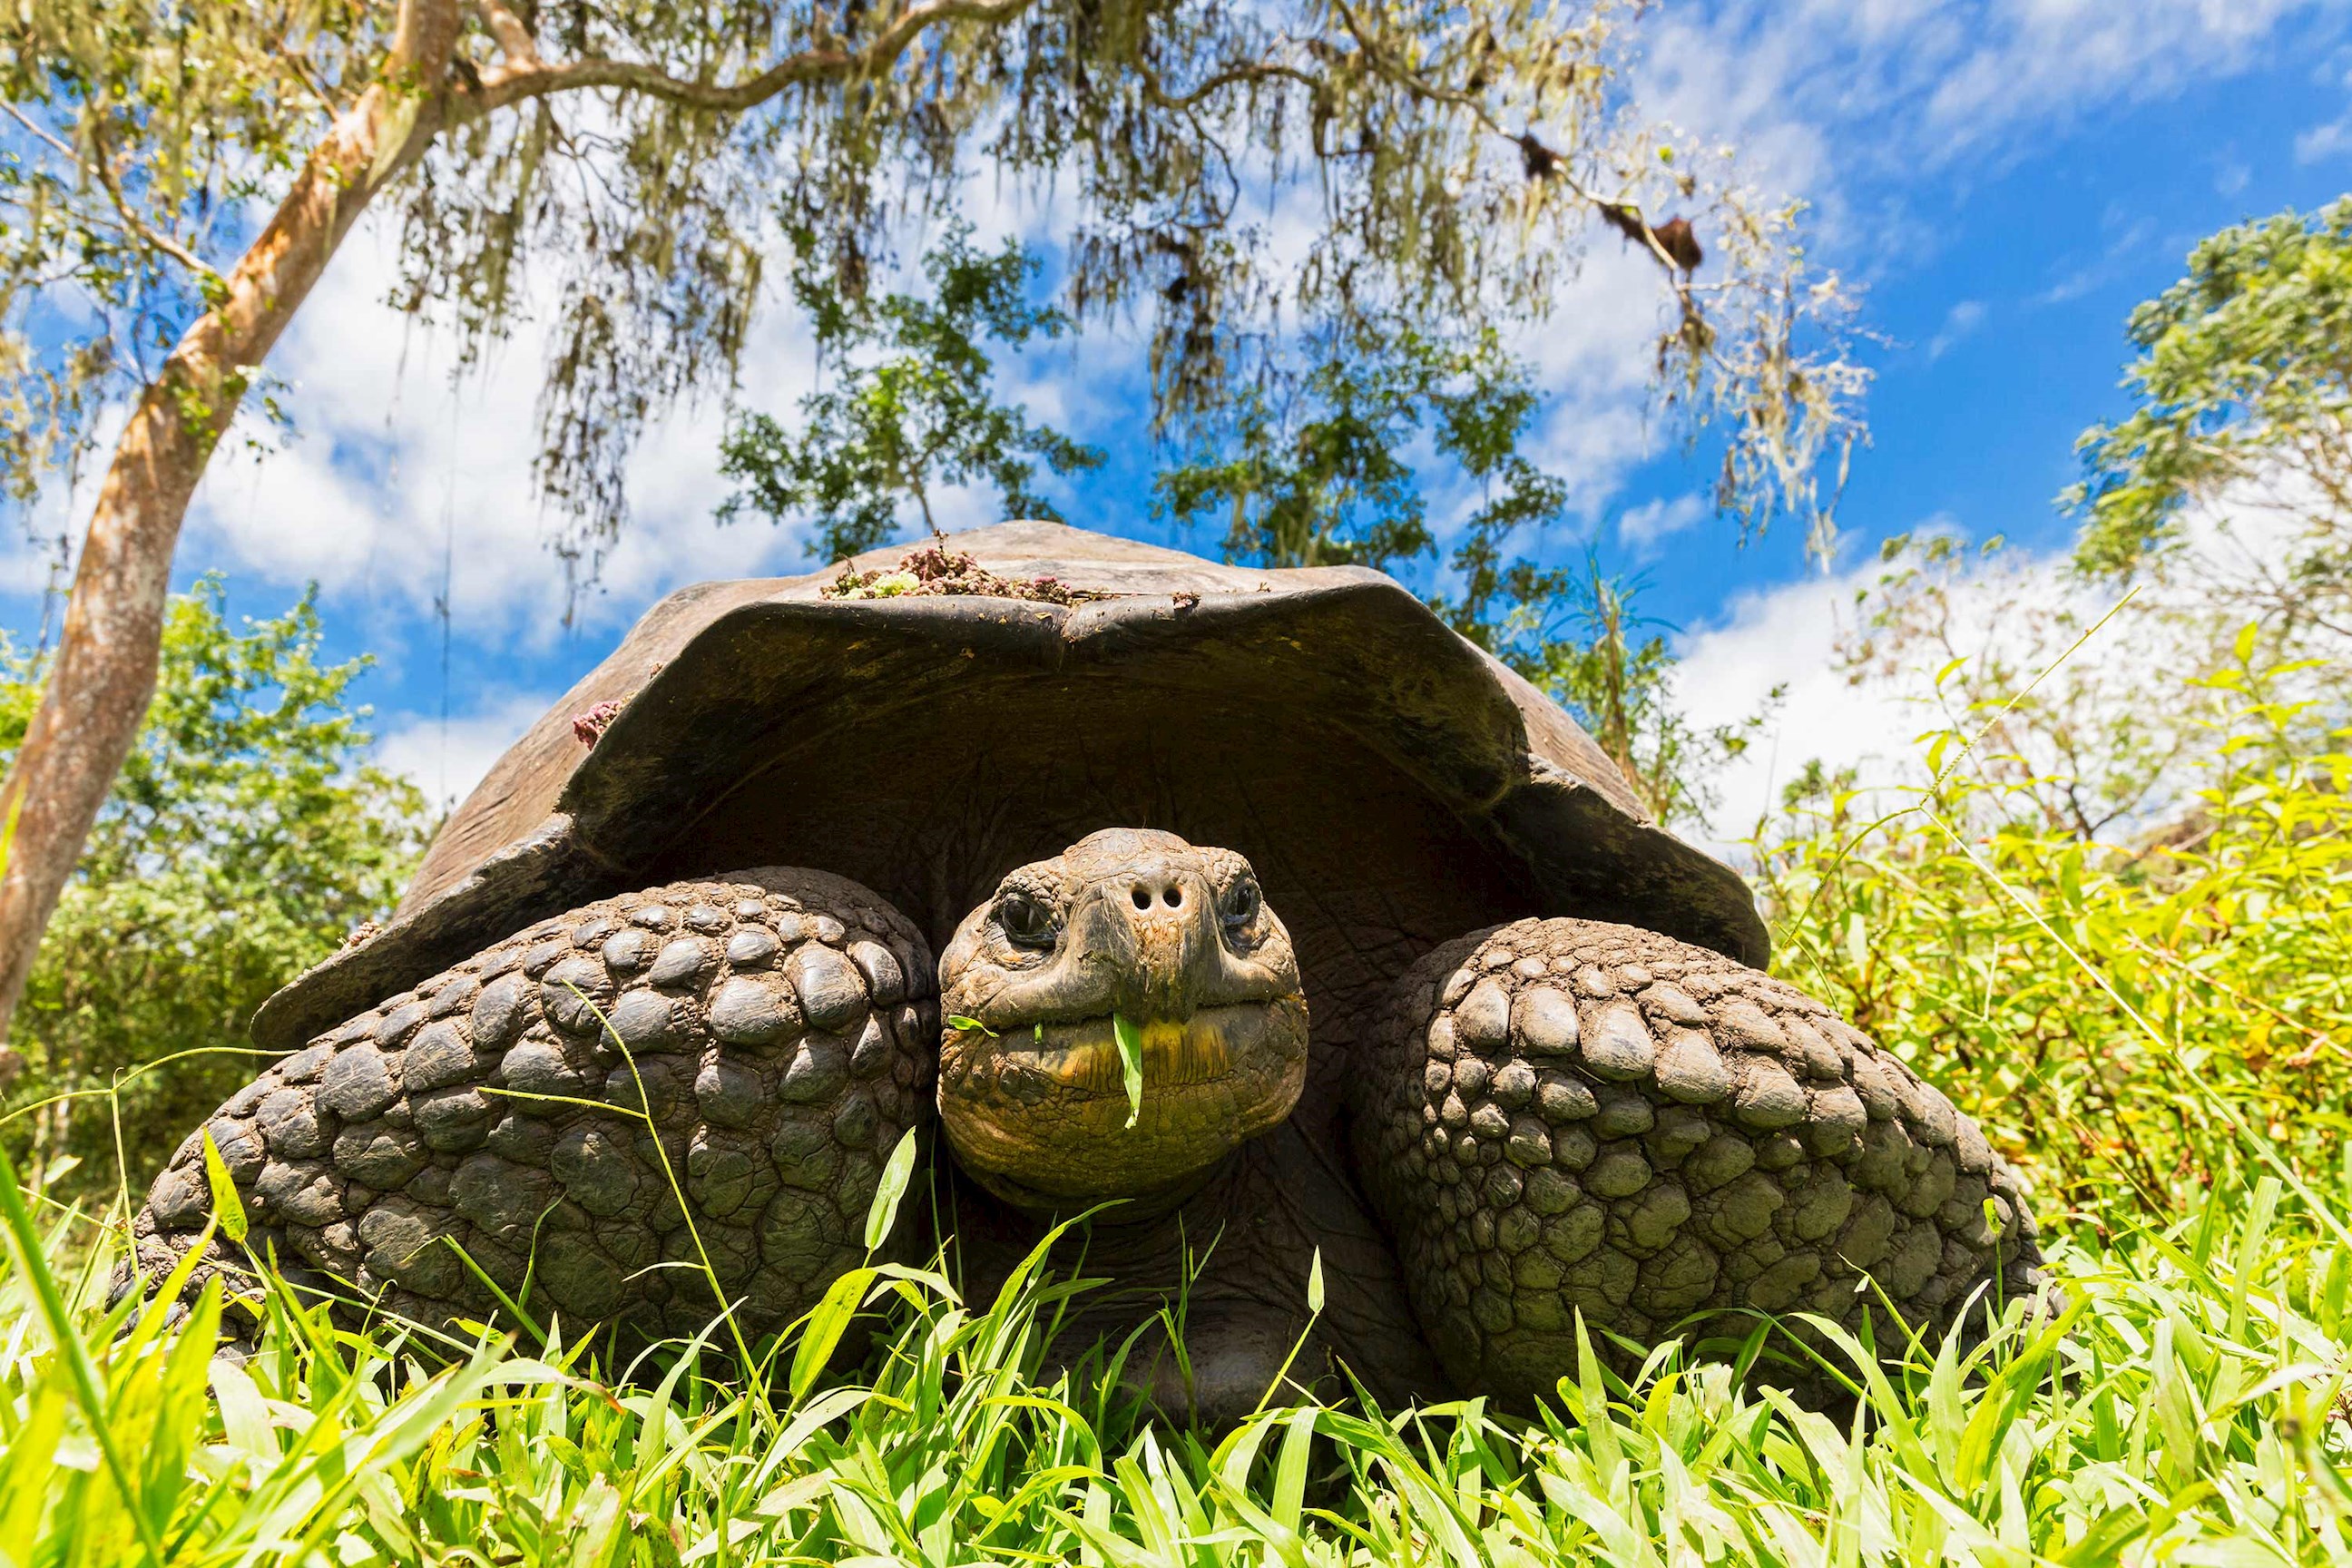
[[780, 1024], [1564, 1116], [1554, 1117]]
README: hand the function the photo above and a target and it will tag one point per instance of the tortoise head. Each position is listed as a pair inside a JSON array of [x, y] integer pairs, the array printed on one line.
[[1131, 949]]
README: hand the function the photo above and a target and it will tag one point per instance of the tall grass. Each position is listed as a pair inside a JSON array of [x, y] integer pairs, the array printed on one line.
[[2188, 1406], [2132, 1022]]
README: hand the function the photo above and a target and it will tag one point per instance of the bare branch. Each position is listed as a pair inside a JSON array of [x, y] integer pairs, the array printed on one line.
[[1263, 70], [102, 165], [514, 39], [515, 84], [45, 136]]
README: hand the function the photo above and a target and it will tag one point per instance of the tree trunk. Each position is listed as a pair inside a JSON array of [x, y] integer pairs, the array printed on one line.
[[104, 675]]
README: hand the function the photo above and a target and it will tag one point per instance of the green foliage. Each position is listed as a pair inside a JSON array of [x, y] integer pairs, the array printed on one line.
[[1578, 634], [245, 836], [911, 409], [2244, 390], [1964, 630], [1310, 469], [2158, 1028], [130, 137], [2184, 1409], [1316, 469], [2136, 1021]]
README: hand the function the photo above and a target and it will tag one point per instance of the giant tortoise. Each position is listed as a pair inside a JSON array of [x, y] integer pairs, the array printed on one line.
[[1410, 978]]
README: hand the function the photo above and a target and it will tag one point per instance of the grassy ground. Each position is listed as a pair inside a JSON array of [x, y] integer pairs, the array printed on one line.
[[2187, 1408]]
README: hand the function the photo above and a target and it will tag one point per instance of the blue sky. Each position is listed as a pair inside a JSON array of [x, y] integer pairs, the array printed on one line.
[[2006, 177]]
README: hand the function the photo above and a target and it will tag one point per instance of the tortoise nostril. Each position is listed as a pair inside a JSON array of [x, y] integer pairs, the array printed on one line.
[[1172, 895], [1142, 899]]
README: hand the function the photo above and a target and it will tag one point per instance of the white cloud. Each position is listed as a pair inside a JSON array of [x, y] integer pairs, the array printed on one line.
[[1786, 637], [2019, 621], [2321, 143], [2083, 272], [392, 466], [447, 760], [1821, 89], [29, 562], [1591, 358], [1960, 322], [1842, 103], [1646, 526]]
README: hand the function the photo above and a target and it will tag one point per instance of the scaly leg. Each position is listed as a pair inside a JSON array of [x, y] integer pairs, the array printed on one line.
[[1564, 1116], [765, 1038]]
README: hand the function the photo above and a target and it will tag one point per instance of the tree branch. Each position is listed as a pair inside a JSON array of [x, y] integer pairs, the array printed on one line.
[[127, 220], [104, 673], [513, 38], [1263, 70], [102, 165], [1542, 162], [516, 83]]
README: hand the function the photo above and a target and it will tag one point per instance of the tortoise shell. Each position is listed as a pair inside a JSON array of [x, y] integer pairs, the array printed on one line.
[[1394, 784]]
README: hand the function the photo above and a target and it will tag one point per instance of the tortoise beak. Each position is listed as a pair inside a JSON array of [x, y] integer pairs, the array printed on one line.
[[1146, 1043], [1148, 934]]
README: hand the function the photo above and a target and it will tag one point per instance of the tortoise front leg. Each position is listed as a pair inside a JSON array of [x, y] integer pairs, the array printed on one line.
[[741, 1053], [1565, 1116]]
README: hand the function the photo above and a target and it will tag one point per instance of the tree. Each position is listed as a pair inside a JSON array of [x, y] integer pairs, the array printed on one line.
[[920, 416], [1580, 636], [1318, 473], [1310, 468], [2048, 673], [622, 166], [245, 836], [2244, 394], [2216, 536]]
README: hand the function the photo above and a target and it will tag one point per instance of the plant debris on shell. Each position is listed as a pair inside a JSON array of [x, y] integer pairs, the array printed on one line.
[[934, 569], [589, 727]]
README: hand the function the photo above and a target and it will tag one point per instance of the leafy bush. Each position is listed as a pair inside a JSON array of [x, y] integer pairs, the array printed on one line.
[[2134, 1021], [246, 835]]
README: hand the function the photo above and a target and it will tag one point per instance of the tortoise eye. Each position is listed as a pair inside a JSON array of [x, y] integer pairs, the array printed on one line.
[[1240, 905], [1025, 921]]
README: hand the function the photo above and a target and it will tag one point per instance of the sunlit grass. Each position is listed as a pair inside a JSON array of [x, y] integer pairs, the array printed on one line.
[[2186, 1407]]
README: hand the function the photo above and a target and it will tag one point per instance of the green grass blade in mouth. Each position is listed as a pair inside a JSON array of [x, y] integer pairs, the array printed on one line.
[[1131, 1062]]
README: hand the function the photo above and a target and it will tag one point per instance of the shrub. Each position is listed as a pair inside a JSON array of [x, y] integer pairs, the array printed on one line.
[[246, 835]]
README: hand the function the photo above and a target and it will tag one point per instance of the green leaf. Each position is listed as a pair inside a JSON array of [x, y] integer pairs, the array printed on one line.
[[958, 1021], [1131, 1062], [227, 1207], [1315, 1282], [827, 1321], [882, 1212], [1857, 945]]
